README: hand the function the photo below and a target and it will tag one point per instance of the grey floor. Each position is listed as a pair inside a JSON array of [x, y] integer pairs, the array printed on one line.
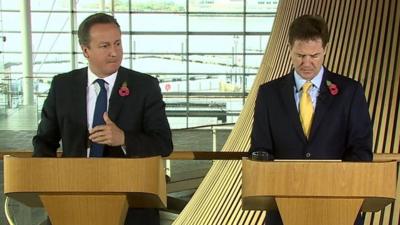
[[19, 125]]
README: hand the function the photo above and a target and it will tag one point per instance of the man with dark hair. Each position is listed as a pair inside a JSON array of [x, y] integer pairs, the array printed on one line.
[[104, 110], [311, 113]]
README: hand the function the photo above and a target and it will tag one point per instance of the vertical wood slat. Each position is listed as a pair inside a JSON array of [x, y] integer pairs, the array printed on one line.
[[364, 45]]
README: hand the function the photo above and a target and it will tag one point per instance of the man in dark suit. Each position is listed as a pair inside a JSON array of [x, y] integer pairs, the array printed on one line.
[[329, 120], [133, 122]]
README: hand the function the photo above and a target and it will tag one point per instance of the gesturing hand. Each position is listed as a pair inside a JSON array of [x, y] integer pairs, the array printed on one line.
[[108, 134]]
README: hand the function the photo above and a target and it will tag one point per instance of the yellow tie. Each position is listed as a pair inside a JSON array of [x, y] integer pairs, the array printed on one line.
[[306, 108]]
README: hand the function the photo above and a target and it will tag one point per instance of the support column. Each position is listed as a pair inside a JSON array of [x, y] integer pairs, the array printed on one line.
[[27, 72]]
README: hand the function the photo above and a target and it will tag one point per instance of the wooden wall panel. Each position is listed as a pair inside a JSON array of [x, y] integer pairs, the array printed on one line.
[[364, 45]]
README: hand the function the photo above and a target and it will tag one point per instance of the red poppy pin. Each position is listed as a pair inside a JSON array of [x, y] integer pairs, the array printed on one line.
[[123, 90], [333, 89]]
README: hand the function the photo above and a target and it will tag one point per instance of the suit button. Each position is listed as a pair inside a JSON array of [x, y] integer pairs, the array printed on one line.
[[308, 155]]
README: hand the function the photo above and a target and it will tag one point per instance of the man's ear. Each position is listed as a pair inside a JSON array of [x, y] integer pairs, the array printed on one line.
[[289, 46], [85, 50]]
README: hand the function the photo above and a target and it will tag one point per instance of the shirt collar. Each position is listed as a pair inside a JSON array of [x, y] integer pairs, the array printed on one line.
[[316, 81], [109, 79]]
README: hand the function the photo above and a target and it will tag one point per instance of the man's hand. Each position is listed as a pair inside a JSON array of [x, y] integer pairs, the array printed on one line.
[[108, 134]]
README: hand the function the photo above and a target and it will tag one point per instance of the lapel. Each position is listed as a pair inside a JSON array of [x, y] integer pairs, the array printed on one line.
[[287, 94], [116, 101], [78, 92], [324, 101]]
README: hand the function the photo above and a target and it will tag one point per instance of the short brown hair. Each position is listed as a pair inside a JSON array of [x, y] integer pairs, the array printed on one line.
[[308, 27], [84, 27]]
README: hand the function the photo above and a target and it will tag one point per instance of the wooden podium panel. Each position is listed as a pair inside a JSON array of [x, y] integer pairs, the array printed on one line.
[[315, 192], [81, 191]]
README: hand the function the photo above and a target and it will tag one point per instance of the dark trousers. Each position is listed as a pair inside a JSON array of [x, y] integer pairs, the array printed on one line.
[[274, 218]]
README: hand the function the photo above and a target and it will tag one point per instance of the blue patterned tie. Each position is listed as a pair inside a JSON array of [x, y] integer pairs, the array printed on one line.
[[96, 150]]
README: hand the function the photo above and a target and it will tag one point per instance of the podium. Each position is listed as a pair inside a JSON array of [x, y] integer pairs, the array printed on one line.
[[82, 191], [318, 192]]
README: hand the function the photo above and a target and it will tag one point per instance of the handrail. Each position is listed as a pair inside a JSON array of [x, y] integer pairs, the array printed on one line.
[[205, 155]]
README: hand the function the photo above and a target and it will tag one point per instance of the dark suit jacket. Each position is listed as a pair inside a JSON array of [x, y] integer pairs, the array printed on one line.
[[141, 115], [341, 127]]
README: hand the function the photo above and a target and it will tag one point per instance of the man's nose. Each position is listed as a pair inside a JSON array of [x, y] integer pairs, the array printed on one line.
[[113, 51], [306, 60]]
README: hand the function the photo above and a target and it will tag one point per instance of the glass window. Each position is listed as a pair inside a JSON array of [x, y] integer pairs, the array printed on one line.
[[215, 6], [249, 81], [158, 5], [51, 42], [11, 62], [261, 5], [159, 43], [51, 63], [253, 63], [50, 21], [205, 83], [257, 23], [94, 5], [256, 43], [13, 42], [125, 43], [153, 63], [172, 83], [216, 44], [215, 63], [50, 5], [123, 21], [216, 23], [10, 21], [196, 48], [158, 22], [10, 5]]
